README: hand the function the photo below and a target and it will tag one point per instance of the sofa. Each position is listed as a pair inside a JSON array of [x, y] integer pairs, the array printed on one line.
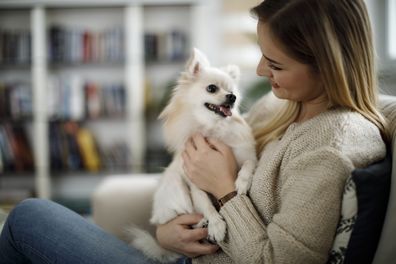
[[121, 199]]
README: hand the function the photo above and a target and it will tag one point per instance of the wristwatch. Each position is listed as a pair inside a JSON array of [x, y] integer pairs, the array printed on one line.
[[226, 198]]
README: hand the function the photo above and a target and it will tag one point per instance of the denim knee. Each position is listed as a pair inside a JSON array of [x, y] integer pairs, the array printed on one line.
[[30, 205], [31, 209]]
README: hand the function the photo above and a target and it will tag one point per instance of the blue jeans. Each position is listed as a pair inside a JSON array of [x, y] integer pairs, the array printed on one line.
[[41, 231]]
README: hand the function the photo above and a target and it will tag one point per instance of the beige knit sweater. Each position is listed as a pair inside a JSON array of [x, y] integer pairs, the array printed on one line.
[[292, 209]]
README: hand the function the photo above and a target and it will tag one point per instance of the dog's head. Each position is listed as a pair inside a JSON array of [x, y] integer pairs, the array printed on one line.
[[203, 96], [206, 92]]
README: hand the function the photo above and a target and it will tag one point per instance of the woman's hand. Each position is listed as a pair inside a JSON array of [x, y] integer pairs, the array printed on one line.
[[210, 165], [177, 236]]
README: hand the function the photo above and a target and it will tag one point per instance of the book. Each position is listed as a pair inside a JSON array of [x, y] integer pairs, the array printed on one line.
[[20, 100], [93, 100], [15, 149], [65, 154], [15, 101], [88, 149], [23, 148], [74, 159], [55, 147]]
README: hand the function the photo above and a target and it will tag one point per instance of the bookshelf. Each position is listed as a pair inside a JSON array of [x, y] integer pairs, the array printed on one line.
[[16, 113], [128, 50]]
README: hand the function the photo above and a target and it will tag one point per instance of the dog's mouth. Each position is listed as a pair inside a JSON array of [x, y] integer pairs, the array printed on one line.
[[223, 110]]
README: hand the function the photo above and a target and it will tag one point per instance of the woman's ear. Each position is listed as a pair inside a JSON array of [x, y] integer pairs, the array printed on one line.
[[197, 62], [233, 71]]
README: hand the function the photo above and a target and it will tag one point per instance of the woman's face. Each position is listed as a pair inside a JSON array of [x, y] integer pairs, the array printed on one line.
[[289, 78]]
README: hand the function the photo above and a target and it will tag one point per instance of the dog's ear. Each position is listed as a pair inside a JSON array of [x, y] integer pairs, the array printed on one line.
[[196, 62], [233, 71]]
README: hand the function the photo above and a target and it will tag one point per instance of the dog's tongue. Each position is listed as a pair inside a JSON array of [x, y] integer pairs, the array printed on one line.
[[226, 110]]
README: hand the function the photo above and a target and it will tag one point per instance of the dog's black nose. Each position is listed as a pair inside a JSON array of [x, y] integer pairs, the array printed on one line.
[[231, 98]]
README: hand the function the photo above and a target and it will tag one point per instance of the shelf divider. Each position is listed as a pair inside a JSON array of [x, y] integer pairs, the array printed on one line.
[[134, 84], [39, 83]]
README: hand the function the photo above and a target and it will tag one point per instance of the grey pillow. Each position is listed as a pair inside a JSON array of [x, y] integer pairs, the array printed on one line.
[[372, 189], [364, 206]]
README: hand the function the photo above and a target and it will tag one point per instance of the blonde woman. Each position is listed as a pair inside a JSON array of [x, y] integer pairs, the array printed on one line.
[[322, 124], [319, 123]]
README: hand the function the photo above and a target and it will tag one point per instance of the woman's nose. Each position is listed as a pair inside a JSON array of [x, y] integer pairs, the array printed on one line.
[[263, 69]]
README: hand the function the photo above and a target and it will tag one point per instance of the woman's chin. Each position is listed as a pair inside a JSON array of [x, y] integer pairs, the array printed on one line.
[[277, 92]]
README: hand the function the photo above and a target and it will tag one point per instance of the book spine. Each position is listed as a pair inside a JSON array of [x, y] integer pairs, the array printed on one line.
[[15, 149], [15, 47], [165, 46]]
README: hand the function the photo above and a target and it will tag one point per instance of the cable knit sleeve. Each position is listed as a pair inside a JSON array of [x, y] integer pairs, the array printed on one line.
[[302, 229]]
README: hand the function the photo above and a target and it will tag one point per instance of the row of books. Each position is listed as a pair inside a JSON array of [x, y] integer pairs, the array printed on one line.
[[15, 150], [15, 47], [74, 46], [74, 147], [15, 101], [77, 46], [70, 97], [167, 47]]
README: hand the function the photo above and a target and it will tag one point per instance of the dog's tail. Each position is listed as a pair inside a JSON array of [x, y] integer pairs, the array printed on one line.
[[146, 243]]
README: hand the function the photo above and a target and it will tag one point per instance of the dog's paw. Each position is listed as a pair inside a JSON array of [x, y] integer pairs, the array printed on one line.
[[202, 224], [216, 230], [245, 175], [242, 185]]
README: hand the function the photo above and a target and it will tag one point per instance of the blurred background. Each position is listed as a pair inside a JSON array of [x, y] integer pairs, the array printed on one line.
[[83, 81]]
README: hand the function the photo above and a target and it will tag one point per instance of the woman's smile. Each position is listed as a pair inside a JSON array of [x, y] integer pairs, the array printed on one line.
[[274, 84]]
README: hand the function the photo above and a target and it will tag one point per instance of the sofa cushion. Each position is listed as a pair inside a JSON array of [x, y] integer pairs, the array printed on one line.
[[345, 225], [372, 188]]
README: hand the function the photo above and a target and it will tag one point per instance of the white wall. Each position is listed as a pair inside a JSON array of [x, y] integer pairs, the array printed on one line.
[[379, 14]]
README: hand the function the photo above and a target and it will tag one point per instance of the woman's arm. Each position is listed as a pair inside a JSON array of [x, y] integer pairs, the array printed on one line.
[[303, 227]]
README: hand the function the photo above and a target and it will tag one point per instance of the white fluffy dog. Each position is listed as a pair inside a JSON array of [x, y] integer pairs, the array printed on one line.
[[204, 101]]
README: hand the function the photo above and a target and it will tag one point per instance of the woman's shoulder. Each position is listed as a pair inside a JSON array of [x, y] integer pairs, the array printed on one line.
[[348, 132], [345, 126]]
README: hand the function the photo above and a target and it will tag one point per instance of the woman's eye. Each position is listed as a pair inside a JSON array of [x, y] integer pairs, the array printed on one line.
[[270, 65], [211, 88]]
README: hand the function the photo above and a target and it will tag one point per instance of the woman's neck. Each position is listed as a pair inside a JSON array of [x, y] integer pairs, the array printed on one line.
[[312, 108]]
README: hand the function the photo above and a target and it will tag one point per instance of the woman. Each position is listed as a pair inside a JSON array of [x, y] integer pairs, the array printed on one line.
[[322, 124], [318, 56]]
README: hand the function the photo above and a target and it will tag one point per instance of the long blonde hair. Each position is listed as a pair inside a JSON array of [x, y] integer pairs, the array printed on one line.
[[334, 37]]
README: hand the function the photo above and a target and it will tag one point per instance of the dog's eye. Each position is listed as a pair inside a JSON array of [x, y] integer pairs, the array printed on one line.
[[211, 88]]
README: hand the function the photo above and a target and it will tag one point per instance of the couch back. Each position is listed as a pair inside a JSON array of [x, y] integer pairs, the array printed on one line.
[[386, 252]]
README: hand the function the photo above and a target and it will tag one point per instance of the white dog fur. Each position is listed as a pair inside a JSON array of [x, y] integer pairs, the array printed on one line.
[[185, 115]]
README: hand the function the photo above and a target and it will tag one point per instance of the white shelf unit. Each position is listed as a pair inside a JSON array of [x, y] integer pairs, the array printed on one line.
[[137, 17], [15, 21]]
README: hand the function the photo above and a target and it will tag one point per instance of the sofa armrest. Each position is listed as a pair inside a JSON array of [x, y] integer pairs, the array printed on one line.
[[120, 200]]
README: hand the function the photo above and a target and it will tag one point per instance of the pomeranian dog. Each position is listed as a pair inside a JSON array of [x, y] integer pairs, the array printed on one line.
[[205, 100]]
